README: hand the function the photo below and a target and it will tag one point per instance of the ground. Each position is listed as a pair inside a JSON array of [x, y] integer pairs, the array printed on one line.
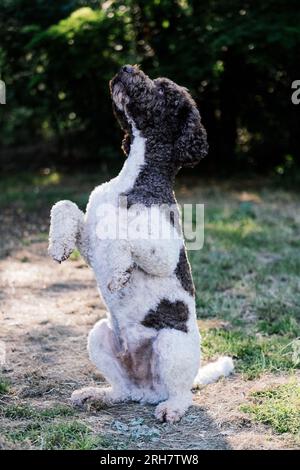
[[248, 304]]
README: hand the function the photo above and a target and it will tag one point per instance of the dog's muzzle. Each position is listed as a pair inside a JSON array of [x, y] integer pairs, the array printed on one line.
[[119, 95]]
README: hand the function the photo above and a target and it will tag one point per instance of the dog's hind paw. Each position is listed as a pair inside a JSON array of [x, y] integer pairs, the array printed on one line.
[[169, 411], [87, 395]]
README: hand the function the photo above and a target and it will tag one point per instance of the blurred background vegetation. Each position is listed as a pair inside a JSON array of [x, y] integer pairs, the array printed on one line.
[[237, 57]]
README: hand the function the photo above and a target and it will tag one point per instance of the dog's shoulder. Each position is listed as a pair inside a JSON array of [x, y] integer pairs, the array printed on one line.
[[101, 194]]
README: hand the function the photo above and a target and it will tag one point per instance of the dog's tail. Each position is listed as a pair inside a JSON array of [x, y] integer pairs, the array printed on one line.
[[211, 372]]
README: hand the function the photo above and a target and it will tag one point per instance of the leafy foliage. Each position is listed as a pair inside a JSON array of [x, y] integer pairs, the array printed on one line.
[[237, 57]]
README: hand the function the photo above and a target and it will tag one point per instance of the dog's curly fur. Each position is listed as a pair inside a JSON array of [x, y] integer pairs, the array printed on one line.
[[148, 348]]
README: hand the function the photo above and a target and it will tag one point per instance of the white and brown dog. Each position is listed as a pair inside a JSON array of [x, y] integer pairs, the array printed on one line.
[[148, 348]]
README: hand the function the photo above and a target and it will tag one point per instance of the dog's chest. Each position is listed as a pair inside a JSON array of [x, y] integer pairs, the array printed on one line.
[[105, 200]]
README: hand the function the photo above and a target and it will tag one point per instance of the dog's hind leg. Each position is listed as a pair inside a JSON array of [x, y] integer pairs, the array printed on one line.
[[67, 231], [178, 355], [103, 353]]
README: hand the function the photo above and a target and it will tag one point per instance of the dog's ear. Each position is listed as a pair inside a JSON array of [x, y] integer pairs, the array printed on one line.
[[126, 143], [121, 118], [191, 144]]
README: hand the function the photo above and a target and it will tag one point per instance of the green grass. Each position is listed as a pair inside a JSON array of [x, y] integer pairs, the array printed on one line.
[[75, 255], [279, 320], [20, 411], [59, 436], [4, 386], [56, 428], [253, 355], [278, 407], [50, 428], [40, 191], [248, 275]]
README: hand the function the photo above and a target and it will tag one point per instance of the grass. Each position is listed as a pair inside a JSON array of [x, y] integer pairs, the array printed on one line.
[[4, 386], [247, 274], [59, 436], [253, 355], [36, 192], [50, 428], [278, 407], [18, 411], [75, 255]]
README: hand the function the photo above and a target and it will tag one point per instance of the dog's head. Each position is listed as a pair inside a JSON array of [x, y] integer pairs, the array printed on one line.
[[160, 110]]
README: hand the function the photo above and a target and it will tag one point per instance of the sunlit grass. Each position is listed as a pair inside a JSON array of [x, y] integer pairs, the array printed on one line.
[[39, 192], [75, 255], [278, 407], [253, 354], [248, 274]]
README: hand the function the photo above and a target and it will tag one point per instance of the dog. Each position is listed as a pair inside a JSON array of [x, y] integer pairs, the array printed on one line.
[[148, 347]]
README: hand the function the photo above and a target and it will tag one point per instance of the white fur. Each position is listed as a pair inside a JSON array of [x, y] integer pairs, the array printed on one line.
[[211, 372], [129, 294], [67, 230], [178, 354]]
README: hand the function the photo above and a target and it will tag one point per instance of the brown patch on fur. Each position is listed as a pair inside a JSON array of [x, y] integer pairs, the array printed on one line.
[[168, 315], [184, 274], [137, 363]]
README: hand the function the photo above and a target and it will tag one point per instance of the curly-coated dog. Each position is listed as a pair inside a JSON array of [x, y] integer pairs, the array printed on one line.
[[148, 347]]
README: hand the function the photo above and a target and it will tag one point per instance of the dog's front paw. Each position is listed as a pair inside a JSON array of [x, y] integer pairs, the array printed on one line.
[[120, 280], [59, 251]]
